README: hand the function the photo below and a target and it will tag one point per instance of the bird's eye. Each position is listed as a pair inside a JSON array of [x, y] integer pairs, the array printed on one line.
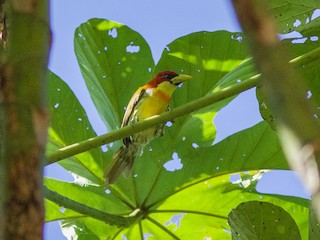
[[169, 76]]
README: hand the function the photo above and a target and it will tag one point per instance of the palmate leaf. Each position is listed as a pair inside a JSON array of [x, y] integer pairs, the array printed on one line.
[[183, 159], [200, 216], [202, 205], [213, 199], [114, 60], [199, 163]]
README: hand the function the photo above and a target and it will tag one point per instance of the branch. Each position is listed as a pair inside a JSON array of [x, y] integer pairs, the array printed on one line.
[[121, 133], [298, 130]]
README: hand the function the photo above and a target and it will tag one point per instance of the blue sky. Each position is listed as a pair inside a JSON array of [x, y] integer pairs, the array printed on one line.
[[159, 22]]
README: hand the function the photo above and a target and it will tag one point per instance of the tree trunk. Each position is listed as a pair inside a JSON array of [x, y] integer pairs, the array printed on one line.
[[24, 48]]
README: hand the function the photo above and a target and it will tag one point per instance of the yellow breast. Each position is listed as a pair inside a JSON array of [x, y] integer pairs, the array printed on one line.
[[155, 101]]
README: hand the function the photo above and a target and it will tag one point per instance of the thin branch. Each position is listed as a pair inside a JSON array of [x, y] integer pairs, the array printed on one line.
[[118, 134]]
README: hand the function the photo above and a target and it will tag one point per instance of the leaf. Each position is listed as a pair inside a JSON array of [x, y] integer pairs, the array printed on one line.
[[296, 15], [70, 124], [314, 226], [165, 200], [82, 194], [309, 71], [262, 220], [114, 61], [203, 215], [251, 149], [87, 229], [55, 212], [208, 57], [212, 201]]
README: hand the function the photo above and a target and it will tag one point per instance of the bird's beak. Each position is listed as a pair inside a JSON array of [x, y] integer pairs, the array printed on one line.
[[180, 78]]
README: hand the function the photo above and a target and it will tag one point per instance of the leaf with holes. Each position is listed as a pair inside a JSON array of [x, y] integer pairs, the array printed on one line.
[[69, 124], [114, 61], [209, 57], [309, 71], [296, 15], [159, 209]]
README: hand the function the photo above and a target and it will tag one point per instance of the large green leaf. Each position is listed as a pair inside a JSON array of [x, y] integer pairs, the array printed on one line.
[[70, 124], [208, 57], [251, 149], [114, 60], [165, 201], [200, 216]]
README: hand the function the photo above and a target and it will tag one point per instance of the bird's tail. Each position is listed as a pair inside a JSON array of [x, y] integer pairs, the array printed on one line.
[[122, 162]]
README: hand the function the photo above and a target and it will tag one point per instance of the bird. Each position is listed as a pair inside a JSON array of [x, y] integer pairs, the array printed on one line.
[[148, 101]]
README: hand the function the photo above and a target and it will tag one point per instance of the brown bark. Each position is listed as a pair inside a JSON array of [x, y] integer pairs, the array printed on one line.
[[24, 37]]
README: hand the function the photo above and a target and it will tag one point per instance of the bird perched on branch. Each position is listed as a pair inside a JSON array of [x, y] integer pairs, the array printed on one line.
[[149, 100]]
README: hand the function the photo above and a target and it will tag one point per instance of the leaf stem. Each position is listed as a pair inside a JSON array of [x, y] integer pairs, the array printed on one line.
[[163, 228], [90, 212]]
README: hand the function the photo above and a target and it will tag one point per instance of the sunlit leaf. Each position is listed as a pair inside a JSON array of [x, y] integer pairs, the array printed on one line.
[[114, 60], [69, 124], [208, 57]]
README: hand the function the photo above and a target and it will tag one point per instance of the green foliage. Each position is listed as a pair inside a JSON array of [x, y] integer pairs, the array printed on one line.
[[296, 15], [262, 220], [69, 124], [109, 55], [314, 226], [180, 187]]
